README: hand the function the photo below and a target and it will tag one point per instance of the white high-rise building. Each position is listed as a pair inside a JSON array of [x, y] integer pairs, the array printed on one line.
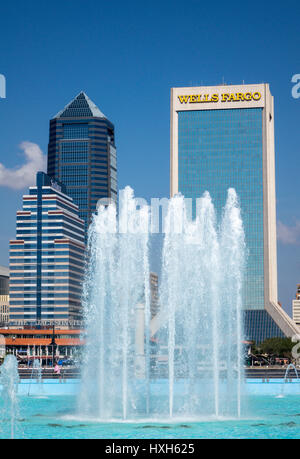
[[223, 137], [296, 307]]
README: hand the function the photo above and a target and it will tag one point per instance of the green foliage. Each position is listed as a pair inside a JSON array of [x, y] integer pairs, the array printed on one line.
[[278, 347]]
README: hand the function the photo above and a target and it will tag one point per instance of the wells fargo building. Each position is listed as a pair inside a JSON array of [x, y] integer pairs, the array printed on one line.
[[222, 137]]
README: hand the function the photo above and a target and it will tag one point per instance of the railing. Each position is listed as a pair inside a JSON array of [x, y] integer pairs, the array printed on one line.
[[48, 373], [264, 373]]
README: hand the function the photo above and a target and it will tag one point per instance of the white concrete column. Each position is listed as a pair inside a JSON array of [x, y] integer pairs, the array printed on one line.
[[140, 362]]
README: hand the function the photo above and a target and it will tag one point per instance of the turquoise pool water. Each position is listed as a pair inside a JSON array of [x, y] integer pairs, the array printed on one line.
[[43, 417]]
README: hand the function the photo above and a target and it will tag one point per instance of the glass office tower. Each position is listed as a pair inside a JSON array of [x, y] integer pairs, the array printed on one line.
[[47, 257], [222, 137], [82, 154]]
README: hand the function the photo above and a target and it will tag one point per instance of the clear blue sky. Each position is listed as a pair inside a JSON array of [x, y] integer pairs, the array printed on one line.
[[126, 55]]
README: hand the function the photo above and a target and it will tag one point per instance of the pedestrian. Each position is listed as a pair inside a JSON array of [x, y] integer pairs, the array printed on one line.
[[57, 370]]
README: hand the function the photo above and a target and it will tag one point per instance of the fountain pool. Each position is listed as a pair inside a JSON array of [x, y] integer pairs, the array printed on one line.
[[54, 417]]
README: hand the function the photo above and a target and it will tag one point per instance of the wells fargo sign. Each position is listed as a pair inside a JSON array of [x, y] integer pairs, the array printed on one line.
[[225, 97]]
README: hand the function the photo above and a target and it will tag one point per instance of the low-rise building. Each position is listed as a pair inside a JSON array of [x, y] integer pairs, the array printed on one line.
[[28, 344]]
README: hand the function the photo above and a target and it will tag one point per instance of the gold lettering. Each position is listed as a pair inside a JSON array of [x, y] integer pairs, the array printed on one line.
[[215, 98], [199, 98], [183, 99], [248, 96], [232, 98], [256, 96]]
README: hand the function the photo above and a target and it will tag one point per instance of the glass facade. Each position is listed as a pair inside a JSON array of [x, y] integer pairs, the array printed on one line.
[[259, 326], [76, 131], [219, 149], [4, 281], [74, 152], [82, 154]]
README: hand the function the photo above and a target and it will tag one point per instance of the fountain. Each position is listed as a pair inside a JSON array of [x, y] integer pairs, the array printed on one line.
[[200, 325], [9, 381], [285, 379], [37, 375], [289, 367], [117, 281]]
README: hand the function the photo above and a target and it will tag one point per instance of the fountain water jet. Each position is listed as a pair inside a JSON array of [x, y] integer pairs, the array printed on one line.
[[232, 250], [200, 319], [37, 375], [117, 280], [9, 380]]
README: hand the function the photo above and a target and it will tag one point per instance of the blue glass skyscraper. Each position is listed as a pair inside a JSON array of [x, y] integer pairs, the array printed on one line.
[[222, 137], [82, 154]]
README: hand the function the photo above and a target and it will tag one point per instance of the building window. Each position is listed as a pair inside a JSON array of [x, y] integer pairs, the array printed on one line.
[[76, 131]]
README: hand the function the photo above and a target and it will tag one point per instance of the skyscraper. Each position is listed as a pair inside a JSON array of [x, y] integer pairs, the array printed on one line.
[[82, 154], [47, 256], [4, 295], [296, 306], [222, 137]]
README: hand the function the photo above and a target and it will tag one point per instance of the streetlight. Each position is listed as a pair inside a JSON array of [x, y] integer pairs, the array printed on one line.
[[53, 344]]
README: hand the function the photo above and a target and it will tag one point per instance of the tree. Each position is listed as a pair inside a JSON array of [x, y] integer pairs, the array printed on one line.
[[278, 347]]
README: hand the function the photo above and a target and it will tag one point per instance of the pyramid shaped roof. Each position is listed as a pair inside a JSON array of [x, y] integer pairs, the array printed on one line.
[[80, 107]]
